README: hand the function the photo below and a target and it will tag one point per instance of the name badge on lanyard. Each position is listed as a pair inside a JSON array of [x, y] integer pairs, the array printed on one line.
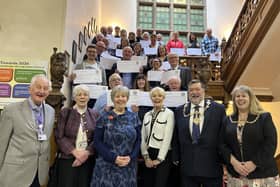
[[41, 135]]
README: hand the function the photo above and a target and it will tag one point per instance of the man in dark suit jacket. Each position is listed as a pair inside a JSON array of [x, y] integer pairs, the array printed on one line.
[[196, 139], [185, 72]]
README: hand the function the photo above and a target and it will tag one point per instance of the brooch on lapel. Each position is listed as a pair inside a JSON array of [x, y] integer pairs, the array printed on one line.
[[207, 103]]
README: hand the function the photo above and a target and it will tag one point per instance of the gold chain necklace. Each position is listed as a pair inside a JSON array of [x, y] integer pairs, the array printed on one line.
[[246, 121]]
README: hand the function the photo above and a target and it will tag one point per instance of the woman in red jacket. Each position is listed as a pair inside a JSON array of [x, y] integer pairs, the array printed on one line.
[[174, 42]]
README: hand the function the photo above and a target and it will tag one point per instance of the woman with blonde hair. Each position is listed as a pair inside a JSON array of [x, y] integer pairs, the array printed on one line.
[[174, 42], [249, 142], [157, 131]]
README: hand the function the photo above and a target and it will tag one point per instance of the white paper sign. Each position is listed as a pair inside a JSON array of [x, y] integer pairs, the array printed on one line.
[[174, 98], [154, 75], [117, 40], [127, 66], [141, 59], [133, 97], [150, 51], [119, 52], [194, 51], [96, 90], [178, 51], [215, 57], [168, 74], [144, 99], [165, 65], [144, 43], [112, 45], [107, 63], [88, 76]]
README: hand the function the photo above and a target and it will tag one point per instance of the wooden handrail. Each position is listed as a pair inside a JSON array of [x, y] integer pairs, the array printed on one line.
[[249, 30]]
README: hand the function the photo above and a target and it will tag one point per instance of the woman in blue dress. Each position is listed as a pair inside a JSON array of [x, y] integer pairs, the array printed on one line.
[[117, 142]]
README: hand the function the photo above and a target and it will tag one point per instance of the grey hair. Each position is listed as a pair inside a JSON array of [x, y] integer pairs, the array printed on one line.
[[119, 89], [40, 76], [157, 90], [80, 88]]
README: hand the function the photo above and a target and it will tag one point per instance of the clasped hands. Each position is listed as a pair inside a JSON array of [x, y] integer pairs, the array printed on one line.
[[151, 163], [243, 168], [122, 161], [80, 157]]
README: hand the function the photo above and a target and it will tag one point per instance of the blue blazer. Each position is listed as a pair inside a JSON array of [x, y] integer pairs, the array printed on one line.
[[200, 159]]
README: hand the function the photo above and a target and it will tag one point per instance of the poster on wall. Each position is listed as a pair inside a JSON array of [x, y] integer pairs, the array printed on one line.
[[15, 79]]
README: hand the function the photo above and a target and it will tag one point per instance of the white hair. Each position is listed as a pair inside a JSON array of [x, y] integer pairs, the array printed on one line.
[[80, 88], [40, 76]]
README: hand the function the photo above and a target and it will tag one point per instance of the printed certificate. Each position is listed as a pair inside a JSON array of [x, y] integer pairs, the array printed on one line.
[[96, 90], [127, 66], [150, 51], [194, 51], [174, 98], [87, 76], [168, 74], [142, 59], [119, 52], [155, 75], [133, 97], [107, 63], [165, 65], [178, 51]]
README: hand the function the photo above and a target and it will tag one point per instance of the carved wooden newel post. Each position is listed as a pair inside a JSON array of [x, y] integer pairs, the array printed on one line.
[[56, 98]]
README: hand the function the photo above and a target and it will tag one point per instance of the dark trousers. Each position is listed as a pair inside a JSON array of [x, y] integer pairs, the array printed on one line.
[[157, 177], [69, 176], [174, 178], [202, 182], [35, 182]]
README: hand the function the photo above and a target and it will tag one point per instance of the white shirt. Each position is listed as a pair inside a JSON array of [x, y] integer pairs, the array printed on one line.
[[201, 116]]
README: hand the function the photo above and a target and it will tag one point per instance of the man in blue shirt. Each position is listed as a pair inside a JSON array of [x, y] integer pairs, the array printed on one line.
[[101, 103], [209, 43]]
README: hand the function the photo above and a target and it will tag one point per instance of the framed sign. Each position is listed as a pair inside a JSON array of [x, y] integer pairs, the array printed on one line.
[[91, 25], [89, 30], [74, 51], [81, 40], [85, 35]]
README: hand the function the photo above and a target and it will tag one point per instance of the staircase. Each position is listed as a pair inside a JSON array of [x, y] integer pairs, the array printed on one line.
[[253, 23]]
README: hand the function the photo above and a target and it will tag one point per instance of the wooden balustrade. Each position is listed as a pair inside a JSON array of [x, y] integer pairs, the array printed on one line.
[[250, 28], [208, 72]]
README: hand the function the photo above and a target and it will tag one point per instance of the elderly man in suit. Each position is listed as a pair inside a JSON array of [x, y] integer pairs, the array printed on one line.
[[185, 72], [196, 139], [25, 131]]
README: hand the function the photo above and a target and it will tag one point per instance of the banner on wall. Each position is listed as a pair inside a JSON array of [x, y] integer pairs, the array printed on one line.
[[15, 78]]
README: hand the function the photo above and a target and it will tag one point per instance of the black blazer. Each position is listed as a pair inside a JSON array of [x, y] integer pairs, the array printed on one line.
[[259, 142], [200, 159], [186, 77]]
